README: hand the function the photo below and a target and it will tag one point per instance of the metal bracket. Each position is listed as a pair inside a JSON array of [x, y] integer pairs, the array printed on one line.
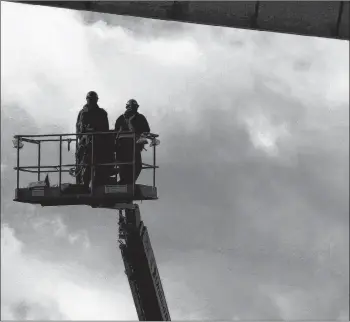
[[119, 206]]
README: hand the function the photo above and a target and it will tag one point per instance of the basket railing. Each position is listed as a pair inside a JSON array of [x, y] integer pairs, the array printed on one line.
[[40, 139]]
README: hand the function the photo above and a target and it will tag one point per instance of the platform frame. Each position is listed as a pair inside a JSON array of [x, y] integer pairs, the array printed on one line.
[[40, 139]]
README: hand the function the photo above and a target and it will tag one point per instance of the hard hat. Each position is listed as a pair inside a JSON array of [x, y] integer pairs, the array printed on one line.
[[132, 103], [91, 94]]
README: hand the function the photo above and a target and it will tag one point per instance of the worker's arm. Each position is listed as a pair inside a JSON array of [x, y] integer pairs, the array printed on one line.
[[105, 122], [79, 124], [145, 126], [118, 126], [139, 124], [119, 123]]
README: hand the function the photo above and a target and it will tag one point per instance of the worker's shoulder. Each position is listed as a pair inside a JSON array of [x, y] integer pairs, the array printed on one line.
[[120, 118], [102, 111], [141, 116], [81, 114], [83, 110]]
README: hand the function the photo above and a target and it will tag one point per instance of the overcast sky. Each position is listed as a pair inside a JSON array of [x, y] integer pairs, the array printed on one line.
[[253, 216]]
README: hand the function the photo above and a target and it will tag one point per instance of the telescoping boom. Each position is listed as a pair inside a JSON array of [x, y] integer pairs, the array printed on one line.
[[141, 267]]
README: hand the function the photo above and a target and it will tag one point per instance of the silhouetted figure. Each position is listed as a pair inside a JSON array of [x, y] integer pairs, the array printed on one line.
[[130, 121], [92, 118]]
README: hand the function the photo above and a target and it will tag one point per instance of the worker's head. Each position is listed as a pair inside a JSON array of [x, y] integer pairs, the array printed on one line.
[[132, 105], [91, 98]]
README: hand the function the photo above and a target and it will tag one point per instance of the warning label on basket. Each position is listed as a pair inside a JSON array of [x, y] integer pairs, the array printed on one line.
[[116, 189], [38, 192]]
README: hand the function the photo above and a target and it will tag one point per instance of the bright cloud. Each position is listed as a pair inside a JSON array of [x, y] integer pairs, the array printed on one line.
[[68, 59], [44, 290], [265, 135]]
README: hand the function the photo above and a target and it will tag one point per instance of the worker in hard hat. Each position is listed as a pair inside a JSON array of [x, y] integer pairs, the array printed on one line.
[[92, 118], [130, 121]]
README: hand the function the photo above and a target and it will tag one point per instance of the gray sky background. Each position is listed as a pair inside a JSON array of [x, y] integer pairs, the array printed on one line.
[[253, 216]]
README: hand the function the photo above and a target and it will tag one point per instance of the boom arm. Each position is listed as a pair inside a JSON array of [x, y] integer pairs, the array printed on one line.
[[141, 268]]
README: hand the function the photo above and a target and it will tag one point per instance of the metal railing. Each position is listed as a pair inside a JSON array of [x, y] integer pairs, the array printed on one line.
[[39, 139]]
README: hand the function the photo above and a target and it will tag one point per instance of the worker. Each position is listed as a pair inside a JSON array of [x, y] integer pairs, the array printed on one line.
[[130, 121], [92, 118]]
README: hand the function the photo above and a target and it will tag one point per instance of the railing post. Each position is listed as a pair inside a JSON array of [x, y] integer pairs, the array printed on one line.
[[60, 165], [92, 179], [154, 166], [134, 165], [39, 159], [18, 140]]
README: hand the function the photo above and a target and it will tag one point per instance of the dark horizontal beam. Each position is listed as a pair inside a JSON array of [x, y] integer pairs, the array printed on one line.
[[327, 19]]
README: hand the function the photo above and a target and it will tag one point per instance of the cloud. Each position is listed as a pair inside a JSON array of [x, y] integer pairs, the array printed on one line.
[[68, 60], [56, 228], [35, 289], [254, 159]]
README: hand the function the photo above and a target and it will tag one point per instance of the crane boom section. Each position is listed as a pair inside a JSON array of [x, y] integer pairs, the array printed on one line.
[[141, 267]]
